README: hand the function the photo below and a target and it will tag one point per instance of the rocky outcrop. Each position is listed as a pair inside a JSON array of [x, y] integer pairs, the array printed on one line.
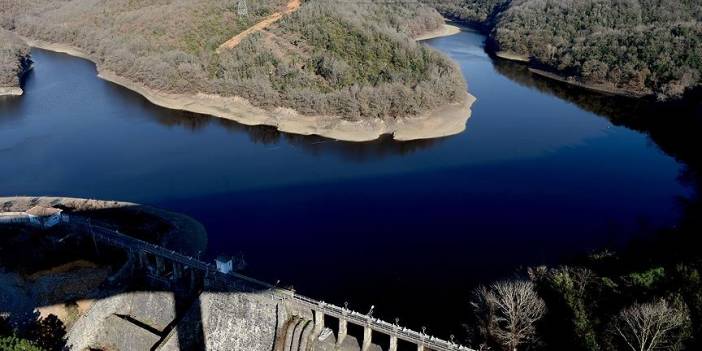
[[124, 321]]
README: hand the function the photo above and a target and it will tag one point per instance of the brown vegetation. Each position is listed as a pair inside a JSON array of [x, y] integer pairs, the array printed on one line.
[[355, 60], [644, 47], [14, 59], [292, 6]]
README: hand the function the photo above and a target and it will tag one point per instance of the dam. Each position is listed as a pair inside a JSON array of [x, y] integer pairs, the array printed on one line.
[[259, 315]]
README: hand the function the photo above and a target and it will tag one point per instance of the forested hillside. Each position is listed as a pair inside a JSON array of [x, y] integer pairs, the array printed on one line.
[[14, 59], [480, 12], [644, 47], [344, 59]]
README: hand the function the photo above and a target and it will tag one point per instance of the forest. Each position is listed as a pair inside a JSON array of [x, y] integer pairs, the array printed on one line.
[[14, 59], [355, 60], [640, 47]]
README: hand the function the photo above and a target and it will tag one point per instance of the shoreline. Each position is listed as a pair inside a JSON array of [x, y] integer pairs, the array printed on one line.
[[445, 31], [11, 91], [592, 87], [598, 88], [511, 57], [447, 120]]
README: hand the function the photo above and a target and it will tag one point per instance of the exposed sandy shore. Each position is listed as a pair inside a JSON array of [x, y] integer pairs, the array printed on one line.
[[11, 91], [511, 56], [444, 121], [445, 31]]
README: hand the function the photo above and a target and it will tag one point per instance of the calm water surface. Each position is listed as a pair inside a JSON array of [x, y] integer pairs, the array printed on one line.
[[409, 227]]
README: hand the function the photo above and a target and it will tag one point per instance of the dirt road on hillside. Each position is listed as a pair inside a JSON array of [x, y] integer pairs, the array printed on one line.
[[291, 7]]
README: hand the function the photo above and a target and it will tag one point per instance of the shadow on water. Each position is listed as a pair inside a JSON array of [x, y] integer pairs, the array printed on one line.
[[170, 316], [11, 106], [674, 126]]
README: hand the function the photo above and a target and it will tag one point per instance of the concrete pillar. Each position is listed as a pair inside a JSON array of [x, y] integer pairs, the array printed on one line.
[[176, 271], [343, 329], [143, 260], [318, 323], [159, 265], [420, 347], [367, 338], [298, 333], [193, 279], [393, 343], [290, 332], [306, 335]]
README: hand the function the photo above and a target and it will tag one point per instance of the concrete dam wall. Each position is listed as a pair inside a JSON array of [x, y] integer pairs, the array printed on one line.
[[215, 321], [186, 304]]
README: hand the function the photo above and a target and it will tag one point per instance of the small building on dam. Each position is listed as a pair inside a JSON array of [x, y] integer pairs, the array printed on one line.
[[38, 216]]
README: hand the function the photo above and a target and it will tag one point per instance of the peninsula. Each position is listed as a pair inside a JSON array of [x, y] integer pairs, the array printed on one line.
[[14, 62], [343, 70]]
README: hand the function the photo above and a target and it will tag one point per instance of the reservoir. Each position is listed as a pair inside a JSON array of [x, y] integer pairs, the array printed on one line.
[[542, 173]]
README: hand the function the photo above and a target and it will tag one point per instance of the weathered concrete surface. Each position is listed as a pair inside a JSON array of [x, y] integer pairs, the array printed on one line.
[[119, 334], [215, 321], [350, 343], [230, 321], [98, 328], [155, 309]]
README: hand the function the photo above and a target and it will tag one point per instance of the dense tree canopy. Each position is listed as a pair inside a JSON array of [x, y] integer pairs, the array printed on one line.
[[645, 47], [340, 58], [14, 59]]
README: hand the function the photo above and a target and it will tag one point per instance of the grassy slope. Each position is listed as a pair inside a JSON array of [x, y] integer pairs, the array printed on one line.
[[323, 59]]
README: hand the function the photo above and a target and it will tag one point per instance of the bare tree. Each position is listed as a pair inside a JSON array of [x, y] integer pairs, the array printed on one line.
[[508, 312], [651, 326]]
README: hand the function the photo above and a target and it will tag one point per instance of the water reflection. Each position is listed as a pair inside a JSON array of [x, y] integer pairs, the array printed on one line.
[[263, 135], [312, 144], [674, 127], [10, 106]]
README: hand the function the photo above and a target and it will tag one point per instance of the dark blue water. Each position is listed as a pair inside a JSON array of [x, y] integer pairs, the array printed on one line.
[[409, 227]]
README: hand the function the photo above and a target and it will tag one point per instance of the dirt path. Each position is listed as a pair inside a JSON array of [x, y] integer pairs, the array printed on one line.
[[291, 7]]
